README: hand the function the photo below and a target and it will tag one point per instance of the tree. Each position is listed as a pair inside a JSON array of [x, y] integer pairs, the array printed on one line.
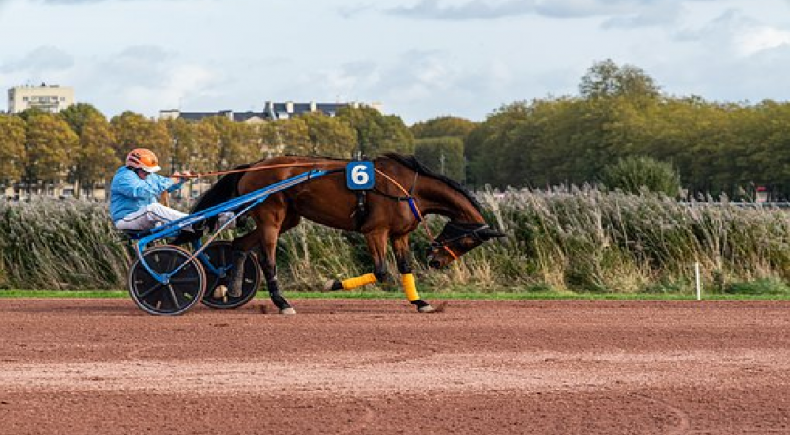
[[184, 142], [376, 133], [633, 174], [13, 156], [445, 126], [238, 142], [50, 148], [444, 155], [206, 147], [77, 115], [329, 136], [285, 136], [483, 147], [606, 79], [133, 130], [96, 159]]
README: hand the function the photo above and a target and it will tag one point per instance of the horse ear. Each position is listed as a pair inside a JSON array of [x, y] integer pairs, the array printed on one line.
[[489, 233]]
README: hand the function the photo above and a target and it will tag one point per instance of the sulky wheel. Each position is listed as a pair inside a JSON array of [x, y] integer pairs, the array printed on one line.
[[220, 272], [181, 291]]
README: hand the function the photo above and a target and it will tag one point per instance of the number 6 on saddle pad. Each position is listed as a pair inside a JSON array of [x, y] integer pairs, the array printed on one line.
[[360, 175]]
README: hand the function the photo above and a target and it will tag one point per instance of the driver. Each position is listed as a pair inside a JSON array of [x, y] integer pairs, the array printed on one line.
[[135, 189]]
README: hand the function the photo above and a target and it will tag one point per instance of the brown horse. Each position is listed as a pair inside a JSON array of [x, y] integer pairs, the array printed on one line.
[[404, 191]]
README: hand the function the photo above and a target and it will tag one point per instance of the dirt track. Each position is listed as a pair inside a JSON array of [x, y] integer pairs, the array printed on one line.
[[344, 367]]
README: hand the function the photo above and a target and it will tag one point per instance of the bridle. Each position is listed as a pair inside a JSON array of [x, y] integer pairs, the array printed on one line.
[[465, 232], [465, 229]]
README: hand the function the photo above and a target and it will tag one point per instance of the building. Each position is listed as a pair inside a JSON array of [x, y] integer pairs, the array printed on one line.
[[249, 117], [48, 98], [271, 111]]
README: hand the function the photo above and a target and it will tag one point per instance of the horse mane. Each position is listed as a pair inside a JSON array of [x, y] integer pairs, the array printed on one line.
[[415, 165], [223, 190]]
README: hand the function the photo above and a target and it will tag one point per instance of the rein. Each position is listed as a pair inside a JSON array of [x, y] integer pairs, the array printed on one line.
[[251, 169]]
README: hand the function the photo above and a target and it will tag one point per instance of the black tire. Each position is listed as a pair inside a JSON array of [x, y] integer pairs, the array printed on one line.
[[184, 289], [220, 254]]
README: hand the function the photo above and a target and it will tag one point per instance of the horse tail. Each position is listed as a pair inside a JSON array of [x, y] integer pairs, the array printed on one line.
[[223, 190]]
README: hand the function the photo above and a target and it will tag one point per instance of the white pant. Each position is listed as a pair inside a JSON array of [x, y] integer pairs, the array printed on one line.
[[148, 217]]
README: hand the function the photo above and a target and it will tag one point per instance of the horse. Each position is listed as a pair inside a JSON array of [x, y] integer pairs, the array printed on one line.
[[404, 192]]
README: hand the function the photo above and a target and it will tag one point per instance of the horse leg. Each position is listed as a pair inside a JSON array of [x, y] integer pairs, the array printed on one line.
[[241, 250], [377, 245], [268, 263], [400, 245]]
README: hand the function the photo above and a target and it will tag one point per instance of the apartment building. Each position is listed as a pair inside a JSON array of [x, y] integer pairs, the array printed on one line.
[[48, 98], [271, 111]]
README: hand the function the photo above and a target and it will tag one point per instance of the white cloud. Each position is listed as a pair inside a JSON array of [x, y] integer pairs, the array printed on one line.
[[41, 59], [629, 13], [760, 38]]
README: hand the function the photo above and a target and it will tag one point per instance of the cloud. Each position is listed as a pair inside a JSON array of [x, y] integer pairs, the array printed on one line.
[[422, 84], [761, 38], [651, 14], [733, 33], [77, 2], [148, 78], [618, 13], [472, 10], [42, 59]]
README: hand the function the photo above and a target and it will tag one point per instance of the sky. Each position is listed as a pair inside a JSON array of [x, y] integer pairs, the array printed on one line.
[[419, 59]]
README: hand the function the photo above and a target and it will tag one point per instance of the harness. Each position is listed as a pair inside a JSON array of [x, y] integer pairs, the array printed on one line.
[[361, 212], [409, 198]]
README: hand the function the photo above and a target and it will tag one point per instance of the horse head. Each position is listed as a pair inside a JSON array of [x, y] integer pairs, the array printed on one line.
[[456, 239]]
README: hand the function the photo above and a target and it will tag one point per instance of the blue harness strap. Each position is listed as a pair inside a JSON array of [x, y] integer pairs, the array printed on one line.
[[413, 208]]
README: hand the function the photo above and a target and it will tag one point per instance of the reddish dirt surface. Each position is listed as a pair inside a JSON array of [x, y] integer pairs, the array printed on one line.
[[365, 367]]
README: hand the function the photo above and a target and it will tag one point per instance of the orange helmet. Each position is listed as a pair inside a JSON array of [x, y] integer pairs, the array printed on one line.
[[144, 159]]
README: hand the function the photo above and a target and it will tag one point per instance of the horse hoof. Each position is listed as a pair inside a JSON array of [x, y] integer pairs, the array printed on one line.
[[221, 292], [332, 285], [426, 309], [287, 311]]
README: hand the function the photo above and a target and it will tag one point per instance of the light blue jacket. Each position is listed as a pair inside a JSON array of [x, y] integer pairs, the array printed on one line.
[[130, 192]]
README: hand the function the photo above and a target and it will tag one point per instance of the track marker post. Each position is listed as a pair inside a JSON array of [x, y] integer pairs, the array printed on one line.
[[698, 280]]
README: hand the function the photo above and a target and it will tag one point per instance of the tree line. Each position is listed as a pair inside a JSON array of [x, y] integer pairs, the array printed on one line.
[[619, 113], [80, 145]]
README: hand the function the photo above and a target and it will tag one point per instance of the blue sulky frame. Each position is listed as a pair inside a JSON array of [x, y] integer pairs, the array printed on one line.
[[238, 206]]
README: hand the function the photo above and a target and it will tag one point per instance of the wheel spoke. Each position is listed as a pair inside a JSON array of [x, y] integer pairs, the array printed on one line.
[[145, 294], [173, 265], [173, 296]]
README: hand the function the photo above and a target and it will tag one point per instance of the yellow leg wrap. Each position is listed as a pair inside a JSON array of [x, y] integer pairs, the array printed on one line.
[[409, 287], [359, 281]]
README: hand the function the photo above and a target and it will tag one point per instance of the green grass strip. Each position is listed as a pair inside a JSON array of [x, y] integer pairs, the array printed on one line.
[[495, 296]]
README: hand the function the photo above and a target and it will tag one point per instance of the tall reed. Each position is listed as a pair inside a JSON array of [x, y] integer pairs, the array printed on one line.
[[566, 238]]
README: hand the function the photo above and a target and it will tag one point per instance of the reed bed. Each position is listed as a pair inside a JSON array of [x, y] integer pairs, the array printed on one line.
[[564, 239]]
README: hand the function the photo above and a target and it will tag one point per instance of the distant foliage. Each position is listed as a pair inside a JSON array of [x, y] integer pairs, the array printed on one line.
[[716, 147], [444, 155], [40, 150], [376, 133], [634, 174], [443, 126]]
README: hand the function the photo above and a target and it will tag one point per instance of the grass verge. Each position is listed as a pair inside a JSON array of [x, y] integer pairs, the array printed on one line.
[[503, 296]]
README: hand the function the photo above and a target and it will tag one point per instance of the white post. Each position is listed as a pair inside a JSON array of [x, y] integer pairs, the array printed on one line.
[[699, 281]]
